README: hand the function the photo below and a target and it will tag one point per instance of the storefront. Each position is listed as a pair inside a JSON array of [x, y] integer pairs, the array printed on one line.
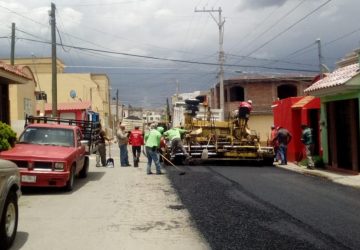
[[339, 122]]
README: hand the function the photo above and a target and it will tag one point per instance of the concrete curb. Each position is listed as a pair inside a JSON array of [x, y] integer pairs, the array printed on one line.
[[339, 178]]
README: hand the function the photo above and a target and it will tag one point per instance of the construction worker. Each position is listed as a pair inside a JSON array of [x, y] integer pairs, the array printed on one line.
[[136, 140], [101, 148], [174, 136], [244, 110], [307, 140], [152, 144], [283, 138], [123, 139]]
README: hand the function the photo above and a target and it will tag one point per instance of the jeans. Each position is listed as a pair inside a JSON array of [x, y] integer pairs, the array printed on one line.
[[152, 156], [283, 153], [124, 160]]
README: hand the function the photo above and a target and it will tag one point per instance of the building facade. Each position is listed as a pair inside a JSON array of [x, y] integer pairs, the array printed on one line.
[[263, 90], [11, 76], [339, 93], [71, 87]]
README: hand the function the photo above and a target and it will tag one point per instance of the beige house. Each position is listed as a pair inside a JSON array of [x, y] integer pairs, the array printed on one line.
[[10, 77], [82, 86]]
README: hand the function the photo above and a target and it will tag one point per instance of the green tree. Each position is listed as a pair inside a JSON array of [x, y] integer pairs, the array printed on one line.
[[7, 136]]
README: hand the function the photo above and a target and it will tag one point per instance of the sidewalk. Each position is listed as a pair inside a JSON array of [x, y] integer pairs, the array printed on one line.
[[336, 177], [138, 211]]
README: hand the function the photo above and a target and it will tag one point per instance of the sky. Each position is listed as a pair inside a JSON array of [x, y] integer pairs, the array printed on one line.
[[151, 48]]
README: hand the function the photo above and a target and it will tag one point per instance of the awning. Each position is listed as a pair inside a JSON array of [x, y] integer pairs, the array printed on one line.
[[303, 102]]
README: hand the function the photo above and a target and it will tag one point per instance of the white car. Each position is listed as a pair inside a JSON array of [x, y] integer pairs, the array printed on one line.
[[9, 194]]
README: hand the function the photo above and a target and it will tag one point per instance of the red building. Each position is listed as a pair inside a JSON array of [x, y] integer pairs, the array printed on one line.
[[290, 113]]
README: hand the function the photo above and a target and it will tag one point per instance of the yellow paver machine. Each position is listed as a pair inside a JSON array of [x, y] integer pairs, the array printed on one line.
[[231, 140]]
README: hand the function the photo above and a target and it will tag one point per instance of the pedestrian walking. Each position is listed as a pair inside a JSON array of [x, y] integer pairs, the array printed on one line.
[[283, 138], [122, 137], [101, 148], [152, 145], [174, 136], [136, 140], [307, 140]]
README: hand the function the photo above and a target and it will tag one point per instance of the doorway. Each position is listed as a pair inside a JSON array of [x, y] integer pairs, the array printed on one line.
[[343, 134]]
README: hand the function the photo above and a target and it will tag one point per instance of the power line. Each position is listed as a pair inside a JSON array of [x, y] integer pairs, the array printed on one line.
[[270, 60], [276, 23], [168, 59], [288, 28]]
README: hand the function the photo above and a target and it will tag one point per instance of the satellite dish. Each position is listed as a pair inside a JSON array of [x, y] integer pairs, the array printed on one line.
[[72, 93]]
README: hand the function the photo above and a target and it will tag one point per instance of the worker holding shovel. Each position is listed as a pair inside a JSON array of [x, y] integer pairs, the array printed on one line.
[[174, 135]]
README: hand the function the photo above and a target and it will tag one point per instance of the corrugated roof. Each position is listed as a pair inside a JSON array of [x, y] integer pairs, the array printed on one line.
[[13, 69], [339, 77], [301, 103], [68, 106]]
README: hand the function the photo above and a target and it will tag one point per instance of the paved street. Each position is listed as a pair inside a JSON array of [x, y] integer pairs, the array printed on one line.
[[209, 207], [270, 208]]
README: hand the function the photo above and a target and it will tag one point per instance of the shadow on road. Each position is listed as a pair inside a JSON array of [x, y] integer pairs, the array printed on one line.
[[20, 240]]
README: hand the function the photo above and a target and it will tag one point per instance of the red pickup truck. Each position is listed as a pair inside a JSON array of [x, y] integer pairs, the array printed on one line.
[[53, 152]]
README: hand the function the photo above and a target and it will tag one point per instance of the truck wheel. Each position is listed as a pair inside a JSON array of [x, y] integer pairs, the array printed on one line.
[[70, 182], [9, 221], [84, 171]]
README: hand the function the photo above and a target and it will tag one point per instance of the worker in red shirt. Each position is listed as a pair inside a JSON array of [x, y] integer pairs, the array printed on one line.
[[136, 140], [244, 112]]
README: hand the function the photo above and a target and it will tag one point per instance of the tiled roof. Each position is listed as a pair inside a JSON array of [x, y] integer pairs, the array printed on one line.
[[68, 106], [13, 69], [302, 102], [339, 77]]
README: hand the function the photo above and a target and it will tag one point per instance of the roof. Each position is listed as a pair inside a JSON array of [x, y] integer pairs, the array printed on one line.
[[68, 106], [268, 76], [132, 117], [303, 102], [337, 78], [13, 69]]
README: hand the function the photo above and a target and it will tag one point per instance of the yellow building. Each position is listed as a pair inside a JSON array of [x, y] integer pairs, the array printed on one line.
[[85, 86]]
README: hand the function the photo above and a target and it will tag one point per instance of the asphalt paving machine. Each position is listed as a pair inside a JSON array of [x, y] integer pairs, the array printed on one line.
[[231, 140]]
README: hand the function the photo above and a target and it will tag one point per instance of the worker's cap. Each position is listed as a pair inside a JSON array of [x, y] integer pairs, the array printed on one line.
[[249, 101], [137, 126], [160, 129], [304, 125], [272, 126]]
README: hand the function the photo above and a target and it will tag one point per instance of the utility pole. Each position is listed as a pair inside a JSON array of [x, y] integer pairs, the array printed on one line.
[[117, 105], [53, 56], [12, 56], [318, 41], [177, 90], [220, 22]]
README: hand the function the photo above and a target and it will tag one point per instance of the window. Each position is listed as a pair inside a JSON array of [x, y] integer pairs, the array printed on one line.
[[236, 94], [286, 90]]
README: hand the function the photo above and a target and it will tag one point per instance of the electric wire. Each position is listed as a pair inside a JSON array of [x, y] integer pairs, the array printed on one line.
[[169, 59], [276, 23], [288, 28]]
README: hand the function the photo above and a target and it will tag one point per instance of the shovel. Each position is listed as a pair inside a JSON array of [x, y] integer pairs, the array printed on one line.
[[172, 164], [205, 152]]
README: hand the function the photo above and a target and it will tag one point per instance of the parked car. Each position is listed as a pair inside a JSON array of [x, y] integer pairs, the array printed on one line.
[[9, 195], [50, 152]]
